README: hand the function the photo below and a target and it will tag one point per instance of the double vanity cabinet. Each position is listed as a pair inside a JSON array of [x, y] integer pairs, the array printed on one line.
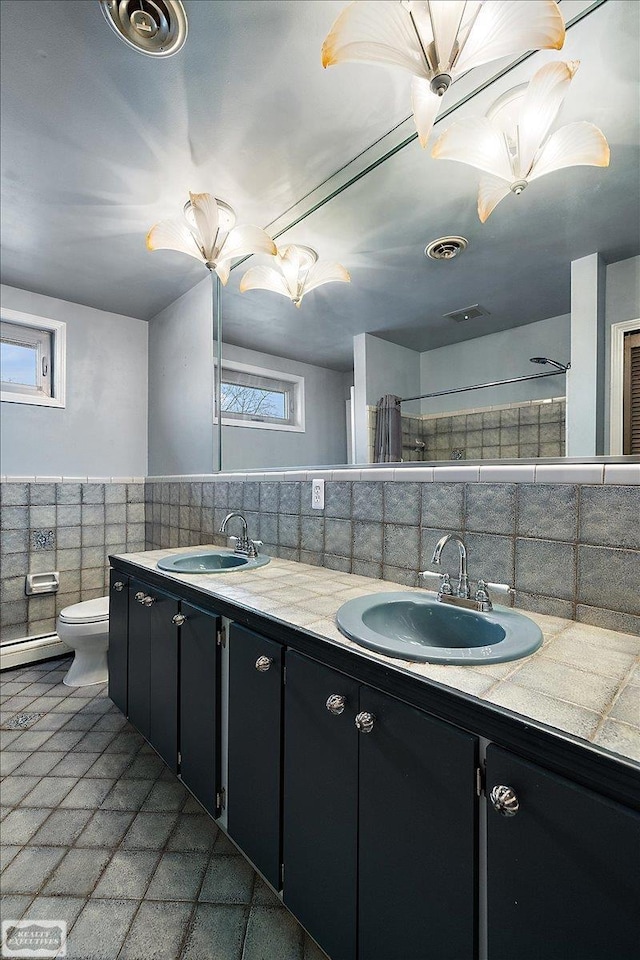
[[400, 820]]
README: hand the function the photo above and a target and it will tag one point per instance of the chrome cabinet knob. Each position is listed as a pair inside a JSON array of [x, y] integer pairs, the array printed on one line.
[[504, 800], [118, 585], [140, 596], [178, 619], [149, 601], [263, 663], [336, 704], [364, 722]]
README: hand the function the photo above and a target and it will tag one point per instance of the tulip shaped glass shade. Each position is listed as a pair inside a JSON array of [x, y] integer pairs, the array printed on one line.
[[207, 232], [513, 146], [438, 40], [296, 271]]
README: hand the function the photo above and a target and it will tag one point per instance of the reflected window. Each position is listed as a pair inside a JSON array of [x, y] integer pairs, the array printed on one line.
[[251, 396]]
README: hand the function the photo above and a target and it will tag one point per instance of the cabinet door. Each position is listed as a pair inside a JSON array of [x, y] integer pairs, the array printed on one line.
[[199, 705], [321, 804], [254, 769], [418, 814], [117, 654], [138, 658], [562, 872], [163, 677]]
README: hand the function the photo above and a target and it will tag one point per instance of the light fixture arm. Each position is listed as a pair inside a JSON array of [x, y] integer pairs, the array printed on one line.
[[216, 331]]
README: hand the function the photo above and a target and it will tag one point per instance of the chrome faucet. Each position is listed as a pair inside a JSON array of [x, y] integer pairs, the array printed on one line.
[[463, 580], [462, 597], [242, 545]]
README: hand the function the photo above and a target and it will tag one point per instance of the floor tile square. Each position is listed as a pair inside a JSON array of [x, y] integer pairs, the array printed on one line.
[[272, 932], [88, 794], [127, 795], [49, 792], [178, 876], [74, 764], [149, 831], [30, 868], [166, 797], [128, 874], [228, 880], [39, 763], [15, 787], [78, 873], [62, 828], [105, 829], [194, 832], [217, 931], [157, 932], [21, 824], [99, 931]]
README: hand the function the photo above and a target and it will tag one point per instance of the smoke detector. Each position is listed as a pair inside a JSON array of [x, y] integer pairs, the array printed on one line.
[[445, 248], [157, 28], [467, 313]]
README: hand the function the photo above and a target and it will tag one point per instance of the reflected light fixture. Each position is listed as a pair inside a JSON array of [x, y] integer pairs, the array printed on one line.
[[438, 40], [512, 145], [207, 232], [297, 271]]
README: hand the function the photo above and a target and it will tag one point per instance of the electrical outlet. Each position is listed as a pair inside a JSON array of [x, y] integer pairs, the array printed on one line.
[[317, 494]]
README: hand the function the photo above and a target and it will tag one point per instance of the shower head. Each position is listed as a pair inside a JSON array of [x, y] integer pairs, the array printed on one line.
[[554, 363]]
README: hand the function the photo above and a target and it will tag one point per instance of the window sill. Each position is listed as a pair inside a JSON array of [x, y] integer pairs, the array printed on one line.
[[6, 397]]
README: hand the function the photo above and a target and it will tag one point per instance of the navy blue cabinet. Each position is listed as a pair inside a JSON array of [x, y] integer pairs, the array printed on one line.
[[153, 668], [118, 653], [380, 811], [199, 687], [255, 748], [563, 867]]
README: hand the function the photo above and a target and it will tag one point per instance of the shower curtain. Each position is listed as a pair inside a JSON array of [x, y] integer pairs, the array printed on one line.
[[388, 439]]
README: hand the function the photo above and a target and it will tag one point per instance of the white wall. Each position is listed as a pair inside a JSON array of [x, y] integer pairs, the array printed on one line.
[[102, 431], [498, 356], [181, 426]]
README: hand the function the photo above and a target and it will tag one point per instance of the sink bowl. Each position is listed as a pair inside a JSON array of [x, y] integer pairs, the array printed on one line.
[[210, 561], [410, 626]]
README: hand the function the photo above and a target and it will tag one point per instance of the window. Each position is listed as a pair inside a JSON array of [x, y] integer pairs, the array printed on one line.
[[32, 359], [253, 397]]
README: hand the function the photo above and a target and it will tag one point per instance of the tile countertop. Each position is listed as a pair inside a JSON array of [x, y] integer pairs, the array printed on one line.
[[583, 680]]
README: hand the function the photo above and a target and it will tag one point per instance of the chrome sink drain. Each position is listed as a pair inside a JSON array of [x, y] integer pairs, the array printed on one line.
[[157, 28]]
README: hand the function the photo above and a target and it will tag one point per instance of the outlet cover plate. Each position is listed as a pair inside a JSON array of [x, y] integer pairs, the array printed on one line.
[[317, 494]]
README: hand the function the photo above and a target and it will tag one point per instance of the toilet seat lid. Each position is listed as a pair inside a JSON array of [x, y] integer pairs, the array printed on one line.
[[89, 611]]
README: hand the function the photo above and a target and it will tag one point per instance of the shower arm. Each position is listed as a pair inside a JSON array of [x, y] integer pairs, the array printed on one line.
[[481, 386]]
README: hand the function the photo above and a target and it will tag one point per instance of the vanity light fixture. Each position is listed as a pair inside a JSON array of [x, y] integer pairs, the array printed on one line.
[[296, 272], [512, 145], [208, 233], [438, 40]]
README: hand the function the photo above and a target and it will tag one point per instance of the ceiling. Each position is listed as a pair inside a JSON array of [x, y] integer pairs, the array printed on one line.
[[99, 142]]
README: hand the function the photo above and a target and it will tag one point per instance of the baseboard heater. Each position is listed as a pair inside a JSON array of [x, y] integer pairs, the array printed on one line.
[[15, 653]]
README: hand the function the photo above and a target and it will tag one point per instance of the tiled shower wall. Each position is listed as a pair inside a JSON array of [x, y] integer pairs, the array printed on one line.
[[69, 527], [518, 430], [571, 550]]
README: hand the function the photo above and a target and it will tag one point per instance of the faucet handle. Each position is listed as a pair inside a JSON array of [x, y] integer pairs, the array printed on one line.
[[443, 578], [483, 587]]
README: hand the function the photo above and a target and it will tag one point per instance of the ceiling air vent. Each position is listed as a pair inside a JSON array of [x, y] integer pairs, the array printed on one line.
[[445, 248], [468, 313], [157, 28]]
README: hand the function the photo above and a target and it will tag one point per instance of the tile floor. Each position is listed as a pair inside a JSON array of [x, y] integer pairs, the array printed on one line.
[[98, 832]]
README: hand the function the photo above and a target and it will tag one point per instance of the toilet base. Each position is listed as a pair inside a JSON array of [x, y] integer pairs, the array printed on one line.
[[87, 668]]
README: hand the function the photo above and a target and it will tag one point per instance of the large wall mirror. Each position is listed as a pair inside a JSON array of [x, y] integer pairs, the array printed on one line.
[[553, 273]]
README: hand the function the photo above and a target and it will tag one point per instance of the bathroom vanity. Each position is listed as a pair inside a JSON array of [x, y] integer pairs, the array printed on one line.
[[400, 817]]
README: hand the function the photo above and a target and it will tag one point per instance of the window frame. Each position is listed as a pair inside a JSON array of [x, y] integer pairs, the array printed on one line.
[[296, 424], [56, 331]]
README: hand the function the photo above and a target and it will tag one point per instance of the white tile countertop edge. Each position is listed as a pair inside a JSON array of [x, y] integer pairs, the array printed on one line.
[[586, 473], [584, 680]]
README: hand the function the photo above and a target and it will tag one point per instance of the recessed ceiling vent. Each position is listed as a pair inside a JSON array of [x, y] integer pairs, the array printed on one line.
[[157, 28], [469, 313], [445, 248]]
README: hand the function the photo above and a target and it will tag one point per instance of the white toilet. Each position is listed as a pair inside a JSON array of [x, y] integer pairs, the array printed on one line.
[[85, 628]]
